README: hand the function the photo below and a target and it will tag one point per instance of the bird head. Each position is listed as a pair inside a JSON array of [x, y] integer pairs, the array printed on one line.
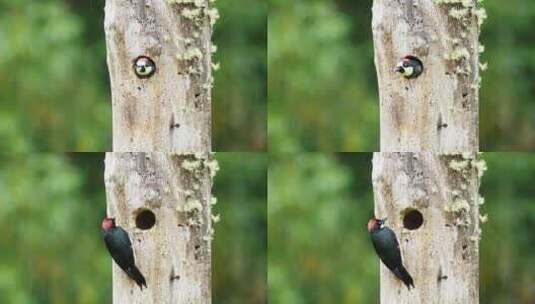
[[108, 223], [376, 224], [409, 67]]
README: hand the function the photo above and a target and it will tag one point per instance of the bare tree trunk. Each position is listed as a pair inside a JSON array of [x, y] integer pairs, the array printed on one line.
[[438, 111], [440, 193], [169, 110], [164, 203]]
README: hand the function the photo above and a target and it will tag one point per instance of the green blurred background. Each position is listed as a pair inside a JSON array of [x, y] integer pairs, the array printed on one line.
[[54, 91], [319, 249], [51, 251], [323, 88]]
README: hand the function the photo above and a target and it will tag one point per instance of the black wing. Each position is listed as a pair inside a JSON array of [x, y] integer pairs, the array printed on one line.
[[387, 247], [120, 248]]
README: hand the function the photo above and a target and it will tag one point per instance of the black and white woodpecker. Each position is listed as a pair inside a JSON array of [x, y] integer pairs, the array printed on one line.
[[387, 247], [410, 67], [120, 248]]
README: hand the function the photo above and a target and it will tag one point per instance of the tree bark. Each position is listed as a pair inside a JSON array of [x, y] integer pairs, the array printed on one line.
[[170, 110], [442, 255], [438, 111], [175, 254]]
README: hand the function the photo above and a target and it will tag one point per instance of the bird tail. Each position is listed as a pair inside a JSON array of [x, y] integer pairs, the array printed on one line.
[[404, 276], [136, 275]]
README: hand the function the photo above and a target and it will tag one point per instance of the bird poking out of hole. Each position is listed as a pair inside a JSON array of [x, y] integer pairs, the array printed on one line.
[[410, 67], [144, 67]]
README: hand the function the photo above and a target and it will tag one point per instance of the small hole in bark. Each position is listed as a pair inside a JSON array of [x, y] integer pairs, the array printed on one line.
[[145, 219], [412, 219], [172, 276]]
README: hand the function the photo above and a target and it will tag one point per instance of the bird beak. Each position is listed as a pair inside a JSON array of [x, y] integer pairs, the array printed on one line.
[[399, 69]]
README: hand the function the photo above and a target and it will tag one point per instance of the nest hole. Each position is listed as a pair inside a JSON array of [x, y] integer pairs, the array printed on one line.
[[145, 219], [412, 219]]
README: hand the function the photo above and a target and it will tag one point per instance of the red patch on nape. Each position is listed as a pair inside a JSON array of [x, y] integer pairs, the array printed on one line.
[[372, 223]]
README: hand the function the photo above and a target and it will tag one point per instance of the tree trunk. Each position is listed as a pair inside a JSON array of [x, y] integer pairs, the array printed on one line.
[[431, 201], [171, 109], [172, 249], [442, 254], [438, 111]]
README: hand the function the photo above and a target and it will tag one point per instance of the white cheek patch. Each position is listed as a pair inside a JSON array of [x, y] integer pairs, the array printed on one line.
[[408, 71]]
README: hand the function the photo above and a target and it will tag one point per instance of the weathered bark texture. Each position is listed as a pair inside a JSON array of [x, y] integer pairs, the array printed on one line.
[[174, 255], [438, 111], [170, 111], [442, 255]]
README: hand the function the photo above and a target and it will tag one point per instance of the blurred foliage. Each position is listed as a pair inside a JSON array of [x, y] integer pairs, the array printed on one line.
[[507, 111], [318, 245], [240, 245], [507, 271], [240, 92], [322, 82], [54, 91], [321, 79], [54, 94], [319, 249], [51, 250]]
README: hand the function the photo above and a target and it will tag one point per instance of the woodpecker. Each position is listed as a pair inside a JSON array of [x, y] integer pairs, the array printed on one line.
[[144, 67], [410, 67], [120, 248], [387, 247]]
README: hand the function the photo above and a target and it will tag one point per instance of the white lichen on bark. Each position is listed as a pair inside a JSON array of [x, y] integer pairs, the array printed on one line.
[[443, 254], [170, 111], [175, 254], [438, 111]]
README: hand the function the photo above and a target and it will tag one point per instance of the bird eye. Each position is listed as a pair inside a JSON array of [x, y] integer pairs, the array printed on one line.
[[144, 67]]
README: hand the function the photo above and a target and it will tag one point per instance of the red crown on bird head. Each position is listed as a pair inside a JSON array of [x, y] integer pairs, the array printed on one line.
[[108, 223], [372, 223]]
